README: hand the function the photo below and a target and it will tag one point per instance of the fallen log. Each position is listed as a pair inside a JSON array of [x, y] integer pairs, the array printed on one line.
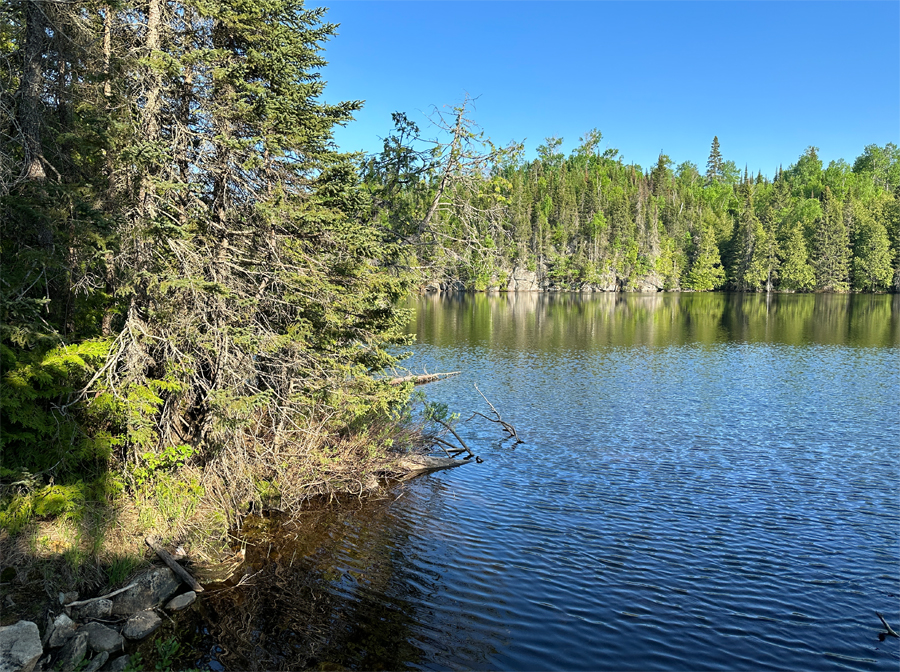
[[180, 571], [420, 464], [422, 378]]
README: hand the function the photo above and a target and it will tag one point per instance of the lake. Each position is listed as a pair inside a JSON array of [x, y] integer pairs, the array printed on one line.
[[709, 481]]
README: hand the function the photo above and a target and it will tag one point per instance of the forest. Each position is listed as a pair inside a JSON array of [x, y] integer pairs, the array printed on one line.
[[589, 221], [200, 293]]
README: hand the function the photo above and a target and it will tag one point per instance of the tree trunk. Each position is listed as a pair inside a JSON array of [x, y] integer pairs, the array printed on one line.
[[30, 90]]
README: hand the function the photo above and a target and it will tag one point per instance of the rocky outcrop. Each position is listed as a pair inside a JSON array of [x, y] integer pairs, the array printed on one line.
[[523, 280]]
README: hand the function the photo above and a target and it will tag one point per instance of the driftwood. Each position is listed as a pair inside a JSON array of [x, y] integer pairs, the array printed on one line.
[[499, 419], [180, 571], [422, 378], [889, 629], [420, 464]]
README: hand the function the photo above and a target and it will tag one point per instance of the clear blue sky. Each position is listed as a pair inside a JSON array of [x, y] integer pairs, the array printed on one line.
[[769, 78]]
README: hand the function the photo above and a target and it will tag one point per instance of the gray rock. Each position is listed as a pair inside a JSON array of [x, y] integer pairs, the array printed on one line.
[[60, 631], [116, 664], [20, 647], [66, 598], [98, 661], [72, 653], [94, 609], [185, 600], [150, 589], [102, 638], [142, 624], [522, 280]]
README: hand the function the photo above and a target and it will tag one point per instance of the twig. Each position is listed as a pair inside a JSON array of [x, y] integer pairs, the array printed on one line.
[[513, 434], [889, 629]]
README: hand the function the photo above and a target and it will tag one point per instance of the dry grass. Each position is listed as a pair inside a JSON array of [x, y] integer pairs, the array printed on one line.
[[198, 506]]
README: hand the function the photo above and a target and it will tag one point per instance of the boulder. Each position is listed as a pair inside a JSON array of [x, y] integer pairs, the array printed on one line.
[[20, 647], [142, 624], [149, 590], [60, 631], [101, 638], [71, 655], [185, 600]]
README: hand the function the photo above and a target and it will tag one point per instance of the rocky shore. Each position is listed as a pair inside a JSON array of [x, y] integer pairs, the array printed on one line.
[[94, 630]]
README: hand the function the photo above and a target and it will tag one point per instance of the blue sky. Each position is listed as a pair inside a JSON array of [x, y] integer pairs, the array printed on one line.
[[769, 78]]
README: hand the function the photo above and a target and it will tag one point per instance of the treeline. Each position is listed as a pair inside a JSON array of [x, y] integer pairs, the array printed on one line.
[[591, 219], [191, 284]]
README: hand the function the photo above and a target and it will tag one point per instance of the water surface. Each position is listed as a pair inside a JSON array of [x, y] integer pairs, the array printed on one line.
[[709, 482]]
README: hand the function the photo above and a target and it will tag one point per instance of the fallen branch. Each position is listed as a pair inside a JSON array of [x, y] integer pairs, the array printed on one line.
[[458, 437], [102, 597], [180, 571], [499, 419], [889, 629], [422, 378]]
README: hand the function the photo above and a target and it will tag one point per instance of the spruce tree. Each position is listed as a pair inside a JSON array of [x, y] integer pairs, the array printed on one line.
[[714, 164], [831, 246]]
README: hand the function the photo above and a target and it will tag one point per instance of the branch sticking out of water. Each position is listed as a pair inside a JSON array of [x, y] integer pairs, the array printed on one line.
[[499, 419], [889, 629]]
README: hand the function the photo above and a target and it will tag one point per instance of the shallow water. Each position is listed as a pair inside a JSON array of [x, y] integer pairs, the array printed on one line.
[[708, 482]]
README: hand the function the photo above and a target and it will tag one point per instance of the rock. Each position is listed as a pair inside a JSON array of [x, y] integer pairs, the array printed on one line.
[[142, 624], [522, 280], [453, 286], [117, 664], [184, 600], [66, 598], [92, 610], [149, 590], [20, 647], [72, 653], [60, 631], [101, 638], [98, 661]]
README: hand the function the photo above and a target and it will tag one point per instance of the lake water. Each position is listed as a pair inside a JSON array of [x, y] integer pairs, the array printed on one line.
[[709, 481]]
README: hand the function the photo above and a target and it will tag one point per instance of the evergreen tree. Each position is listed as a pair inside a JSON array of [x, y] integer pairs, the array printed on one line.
[[831, 246], [714, 164], [706, 271], [872, 256], [795, 273]]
